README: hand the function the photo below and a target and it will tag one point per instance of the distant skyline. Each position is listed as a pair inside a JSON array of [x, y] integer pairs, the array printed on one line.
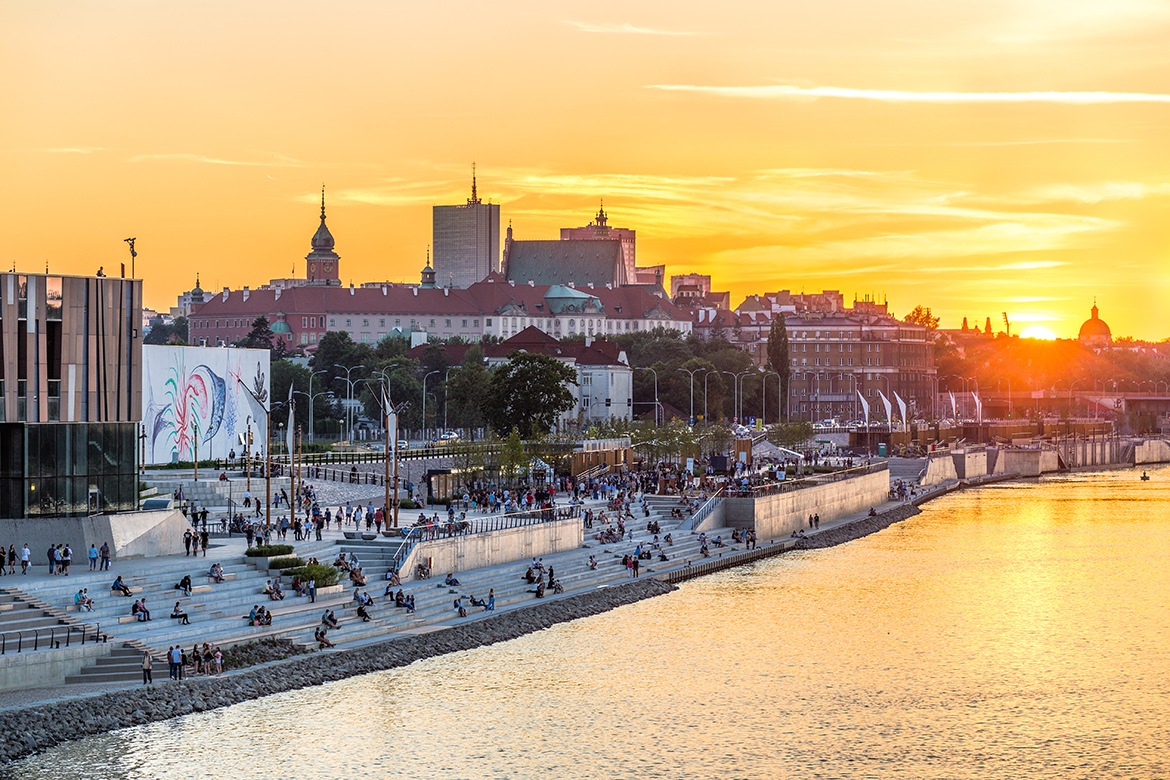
[[973, 157]]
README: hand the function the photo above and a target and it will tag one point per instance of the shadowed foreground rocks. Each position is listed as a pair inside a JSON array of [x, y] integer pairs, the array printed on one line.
[[28, 731]]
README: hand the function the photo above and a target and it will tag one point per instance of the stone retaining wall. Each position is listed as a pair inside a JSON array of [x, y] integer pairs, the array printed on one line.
[[34, 729]]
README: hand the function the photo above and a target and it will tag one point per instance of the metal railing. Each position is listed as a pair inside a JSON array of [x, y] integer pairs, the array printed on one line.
[[790, 485], [702, 512], [428, 532], [51, 642]]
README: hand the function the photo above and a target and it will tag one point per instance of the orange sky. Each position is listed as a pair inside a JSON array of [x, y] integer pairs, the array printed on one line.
[[974, 157]]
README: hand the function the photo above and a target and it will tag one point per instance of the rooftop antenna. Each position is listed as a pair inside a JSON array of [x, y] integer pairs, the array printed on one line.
[[474, 199], [133, 254]]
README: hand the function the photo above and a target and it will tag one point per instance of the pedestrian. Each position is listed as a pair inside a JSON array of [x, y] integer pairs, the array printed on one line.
[[147, 669], [25, 555], [171, 661], [66, 559], [187, 537], [105, 555], [93, 557], [52, 556], [313, 591]]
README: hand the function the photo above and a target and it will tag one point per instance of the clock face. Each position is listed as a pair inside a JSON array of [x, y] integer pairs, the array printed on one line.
[[312, 269], [328, 267]]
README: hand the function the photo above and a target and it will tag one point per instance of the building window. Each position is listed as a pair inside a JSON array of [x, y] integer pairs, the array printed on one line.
[[465, 323], [365, 338], [348, 322], [382, 323], [365, 323], [487, 322], [332, 321], [446, 323], [475, 323], [304, 337], [304, 322], [412, 322], [432, 322]]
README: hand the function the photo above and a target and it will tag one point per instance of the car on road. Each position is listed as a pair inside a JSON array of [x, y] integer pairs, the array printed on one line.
[[450, 436]]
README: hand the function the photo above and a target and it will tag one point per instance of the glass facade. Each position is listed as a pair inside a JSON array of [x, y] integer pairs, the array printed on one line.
[[67, 469]]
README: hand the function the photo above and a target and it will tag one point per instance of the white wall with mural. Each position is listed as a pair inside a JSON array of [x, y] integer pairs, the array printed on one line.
[[212, 393]]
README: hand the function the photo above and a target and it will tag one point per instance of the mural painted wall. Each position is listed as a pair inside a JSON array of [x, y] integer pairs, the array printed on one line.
[[211, 393]]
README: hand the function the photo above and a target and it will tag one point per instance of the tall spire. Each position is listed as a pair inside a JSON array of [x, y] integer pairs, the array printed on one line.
[[474, 199], [322, 201]]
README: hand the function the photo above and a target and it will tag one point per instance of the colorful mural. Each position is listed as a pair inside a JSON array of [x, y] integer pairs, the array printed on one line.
[[203, 399]]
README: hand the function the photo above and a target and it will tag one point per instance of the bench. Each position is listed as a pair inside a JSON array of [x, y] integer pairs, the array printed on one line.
[[352, 535]]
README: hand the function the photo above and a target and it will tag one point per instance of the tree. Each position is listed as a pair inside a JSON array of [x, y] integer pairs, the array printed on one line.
[[778, 357], [260, 337], [790, 434], [921, 316], [528, 393], [512, 456], [336, 351], [466, 390], [175, 333]]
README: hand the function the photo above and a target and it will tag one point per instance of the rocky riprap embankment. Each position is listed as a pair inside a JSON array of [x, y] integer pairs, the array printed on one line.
[[858, 528], [28, 731]]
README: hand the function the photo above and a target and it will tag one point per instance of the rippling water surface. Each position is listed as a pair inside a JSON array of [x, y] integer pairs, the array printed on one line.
[[1019, 630]]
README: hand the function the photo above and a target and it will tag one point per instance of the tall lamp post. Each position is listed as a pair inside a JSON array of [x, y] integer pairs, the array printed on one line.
[[312, 419], [656, 404], [424, 402], [692, 372], [349, 405]]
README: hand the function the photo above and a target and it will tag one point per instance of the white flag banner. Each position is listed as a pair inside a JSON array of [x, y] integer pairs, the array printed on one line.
[[902, 408], [954, 406], [865, 406], [289, 438], [978, 408], [889, 408]]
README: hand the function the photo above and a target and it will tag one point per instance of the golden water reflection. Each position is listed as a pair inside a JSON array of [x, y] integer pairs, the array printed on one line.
[[1015, 631]]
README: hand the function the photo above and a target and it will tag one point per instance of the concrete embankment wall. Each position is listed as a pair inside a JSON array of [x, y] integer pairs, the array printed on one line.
[[129, 534], [44, 667], [776, 516], [1026, 463], [1154, 451], [970, 465], [33, 729], [939, 468], [475, 551]]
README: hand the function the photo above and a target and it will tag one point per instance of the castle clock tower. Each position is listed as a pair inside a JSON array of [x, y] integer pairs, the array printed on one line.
[[322, 261]]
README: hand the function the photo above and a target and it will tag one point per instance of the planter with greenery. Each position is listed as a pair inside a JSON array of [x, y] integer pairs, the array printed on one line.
[[269, 551], [285, 563], [324, 575]]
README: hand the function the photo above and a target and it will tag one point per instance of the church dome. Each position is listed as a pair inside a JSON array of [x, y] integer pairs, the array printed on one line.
[[1095, 328], [322, 239]]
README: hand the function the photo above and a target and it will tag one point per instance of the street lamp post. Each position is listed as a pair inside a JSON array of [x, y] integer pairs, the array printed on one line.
[[424, 402], [737, 393], [656, 404], [349, 404], [692, 372], [312, 419]]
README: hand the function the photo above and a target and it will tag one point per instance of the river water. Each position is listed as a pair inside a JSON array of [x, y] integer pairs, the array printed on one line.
[[1014, 631]]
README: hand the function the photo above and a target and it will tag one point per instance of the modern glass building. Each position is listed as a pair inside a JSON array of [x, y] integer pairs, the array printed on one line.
[[466, 242], [70, 394]]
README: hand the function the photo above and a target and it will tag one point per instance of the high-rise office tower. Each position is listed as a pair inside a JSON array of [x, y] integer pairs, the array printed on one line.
[[466, 241]]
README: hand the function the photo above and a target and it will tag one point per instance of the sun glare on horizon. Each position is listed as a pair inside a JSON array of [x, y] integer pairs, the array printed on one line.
[[1037, 332]]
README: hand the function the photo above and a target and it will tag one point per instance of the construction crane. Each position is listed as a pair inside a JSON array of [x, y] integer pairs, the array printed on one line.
[[1007, 326]]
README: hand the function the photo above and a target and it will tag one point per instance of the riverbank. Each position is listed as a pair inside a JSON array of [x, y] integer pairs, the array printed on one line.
[[34, 729]]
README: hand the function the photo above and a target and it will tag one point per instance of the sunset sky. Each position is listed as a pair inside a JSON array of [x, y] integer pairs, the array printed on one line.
[[974, 157]]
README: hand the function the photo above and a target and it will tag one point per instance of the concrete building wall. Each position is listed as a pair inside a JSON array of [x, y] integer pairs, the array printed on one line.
[[1026, 463], [777, 516], [475, 551]]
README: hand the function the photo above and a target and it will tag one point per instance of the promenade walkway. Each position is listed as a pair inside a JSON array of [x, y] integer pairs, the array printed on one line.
[[217, 611]]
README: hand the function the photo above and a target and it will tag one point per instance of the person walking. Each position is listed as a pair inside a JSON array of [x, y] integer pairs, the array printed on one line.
[[147, 669], [187, 537], [105, 555], [66, 559], [171, 661], [93, 557], [25, 556], [312, 591]]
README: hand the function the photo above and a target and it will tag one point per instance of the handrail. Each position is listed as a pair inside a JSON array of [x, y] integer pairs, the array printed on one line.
[[789, 485], [53, 643], [701, 513]]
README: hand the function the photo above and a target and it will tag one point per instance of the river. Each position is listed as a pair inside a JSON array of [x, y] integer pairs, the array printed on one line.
[[1014, 631]]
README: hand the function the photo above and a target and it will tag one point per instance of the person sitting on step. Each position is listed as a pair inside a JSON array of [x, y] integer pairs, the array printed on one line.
[[320, 636], [184, 585], [451, 582], [178, 614], [120, 586]]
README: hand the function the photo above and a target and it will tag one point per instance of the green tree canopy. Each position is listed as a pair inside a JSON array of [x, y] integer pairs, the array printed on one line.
[[778, 359], [528, 393]]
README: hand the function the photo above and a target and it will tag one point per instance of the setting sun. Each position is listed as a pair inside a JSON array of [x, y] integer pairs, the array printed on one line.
[[1037, 332]]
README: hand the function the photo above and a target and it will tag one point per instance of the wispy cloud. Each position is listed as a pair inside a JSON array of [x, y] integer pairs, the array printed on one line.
[[74, 150], [276, 160], [785, 92], [624, 29]]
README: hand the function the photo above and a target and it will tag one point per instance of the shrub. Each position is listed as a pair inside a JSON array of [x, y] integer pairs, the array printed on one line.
[[324, 575], [270, 551], [286, 563], [406, 503]]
